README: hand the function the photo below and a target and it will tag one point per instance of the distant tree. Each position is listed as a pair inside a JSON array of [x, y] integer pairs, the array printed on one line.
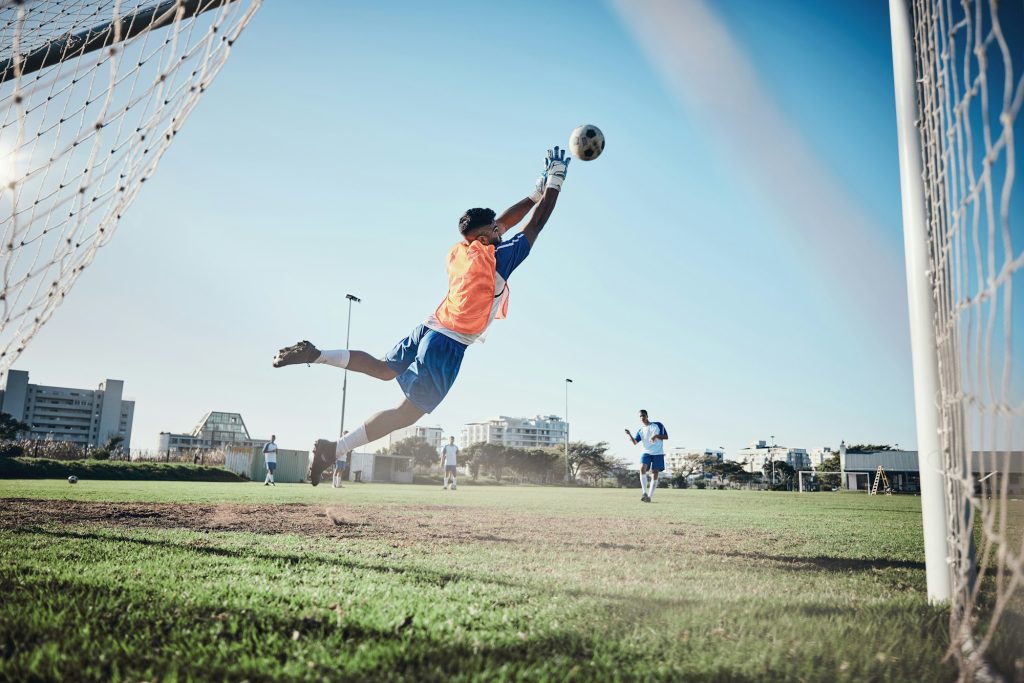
[[625, 474], [728, 469], [784, 473], [548, 464], [494, 459], [110, 449], [692, 463], [829, 471], [415, 447], [595, 463], [10, 428], [588, 459], [868, 448], [472, 456], [830, 464]]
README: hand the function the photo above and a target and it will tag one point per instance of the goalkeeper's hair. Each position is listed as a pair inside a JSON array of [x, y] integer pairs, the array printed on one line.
[[475, 218]]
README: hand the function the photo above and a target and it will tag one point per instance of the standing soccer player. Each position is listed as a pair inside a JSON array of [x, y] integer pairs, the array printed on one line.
[[270, 459], [450, 462], [652, 435], [427, 362]]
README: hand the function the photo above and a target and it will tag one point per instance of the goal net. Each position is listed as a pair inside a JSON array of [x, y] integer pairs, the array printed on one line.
[[969, 87], [91, 94]]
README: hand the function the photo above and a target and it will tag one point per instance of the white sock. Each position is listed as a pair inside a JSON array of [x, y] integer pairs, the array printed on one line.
[[336, 357], [643, 483], [654, 485], [351, 441]]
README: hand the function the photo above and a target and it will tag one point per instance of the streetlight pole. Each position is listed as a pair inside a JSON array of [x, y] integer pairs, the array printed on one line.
[[344, 382], [771, 454], [567, 383]]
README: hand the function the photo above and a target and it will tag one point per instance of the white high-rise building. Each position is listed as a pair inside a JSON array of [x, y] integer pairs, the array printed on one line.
[[541, 431], [84, 416], [759, 452], [818, 455]]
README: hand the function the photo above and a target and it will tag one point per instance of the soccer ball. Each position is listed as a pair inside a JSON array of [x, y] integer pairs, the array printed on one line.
[[72, 479], [586, 142]]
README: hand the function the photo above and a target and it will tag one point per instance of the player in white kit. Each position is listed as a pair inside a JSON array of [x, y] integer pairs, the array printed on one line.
[[652, 435]]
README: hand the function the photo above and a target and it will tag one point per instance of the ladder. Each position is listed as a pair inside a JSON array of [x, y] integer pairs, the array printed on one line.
[[880, 477]]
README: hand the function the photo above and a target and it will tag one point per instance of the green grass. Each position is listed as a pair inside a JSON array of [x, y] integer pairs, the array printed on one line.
[[486, 583], [45, 468]]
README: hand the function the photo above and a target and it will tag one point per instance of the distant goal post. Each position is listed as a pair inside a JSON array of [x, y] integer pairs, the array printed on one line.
[[814, 480], [92, 93]]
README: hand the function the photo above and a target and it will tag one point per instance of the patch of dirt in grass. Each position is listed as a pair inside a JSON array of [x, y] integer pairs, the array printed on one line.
[[401, 526]]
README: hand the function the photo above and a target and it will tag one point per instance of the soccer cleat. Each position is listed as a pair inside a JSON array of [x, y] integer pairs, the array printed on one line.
[[645, 499], [303, 352], [323, 457]]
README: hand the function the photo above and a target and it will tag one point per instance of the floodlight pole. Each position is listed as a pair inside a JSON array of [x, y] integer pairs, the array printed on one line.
[[771, 454], [923, 344], [344, 382], [567, 383]]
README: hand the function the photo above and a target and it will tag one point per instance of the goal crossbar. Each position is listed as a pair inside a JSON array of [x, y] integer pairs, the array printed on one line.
[[127, 27]]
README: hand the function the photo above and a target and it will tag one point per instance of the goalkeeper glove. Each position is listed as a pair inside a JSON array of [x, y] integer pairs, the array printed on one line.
[[557, 165], [538, 188]]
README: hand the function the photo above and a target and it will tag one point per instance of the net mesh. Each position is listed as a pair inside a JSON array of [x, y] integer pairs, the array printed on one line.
[[969, 61], [91, 94]]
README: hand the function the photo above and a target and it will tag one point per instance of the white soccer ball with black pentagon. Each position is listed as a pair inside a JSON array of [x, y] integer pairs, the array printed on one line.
[[72, 479], [586, 142]]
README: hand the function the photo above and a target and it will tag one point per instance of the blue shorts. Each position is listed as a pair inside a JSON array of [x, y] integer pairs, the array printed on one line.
[[427, 363], [271, 466], [654, 462], [451, 469]]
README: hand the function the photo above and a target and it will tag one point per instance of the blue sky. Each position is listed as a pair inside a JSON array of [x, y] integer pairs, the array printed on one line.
[[338, 147]]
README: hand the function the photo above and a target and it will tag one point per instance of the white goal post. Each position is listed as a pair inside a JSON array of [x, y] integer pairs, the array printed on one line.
[[92, 93], [959, 78], [823, 480]]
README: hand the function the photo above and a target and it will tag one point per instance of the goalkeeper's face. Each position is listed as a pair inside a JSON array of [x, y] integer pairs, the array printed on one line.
[[488, 234]]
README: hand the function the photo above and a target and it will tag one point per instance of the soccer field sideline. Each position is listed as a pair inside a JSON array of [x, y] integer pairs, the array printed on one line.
[[379, 582]]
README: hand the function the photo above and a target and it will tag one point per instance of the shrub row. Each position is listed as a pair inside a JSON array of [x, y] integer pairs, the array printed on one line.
[[44, 468]]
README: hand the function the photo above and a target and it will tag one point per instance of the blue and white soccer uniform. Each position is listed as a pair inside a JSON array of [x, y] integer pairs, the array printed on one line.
[[270, 455], [450, 453], [428, 360], [654, 451]]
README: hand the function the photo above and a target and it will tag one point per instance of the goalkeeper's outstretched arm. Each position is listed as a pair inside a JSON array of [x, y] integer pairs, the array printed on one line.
[[513, 214], [555, 165], [541, 215]]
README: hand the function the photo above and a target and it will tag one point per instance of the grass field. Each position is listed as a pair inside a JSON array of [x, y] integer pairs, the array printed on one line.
[[172, 581]]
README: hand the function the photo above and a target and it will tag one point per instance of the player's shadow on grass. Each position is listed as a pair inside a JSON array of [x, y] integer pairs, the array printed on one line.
[[824, 563], [420, 575]]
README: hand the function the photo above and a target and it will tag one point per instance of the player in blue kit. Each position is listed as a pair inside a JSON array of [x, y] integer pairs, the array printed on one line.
[[652, 435]]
